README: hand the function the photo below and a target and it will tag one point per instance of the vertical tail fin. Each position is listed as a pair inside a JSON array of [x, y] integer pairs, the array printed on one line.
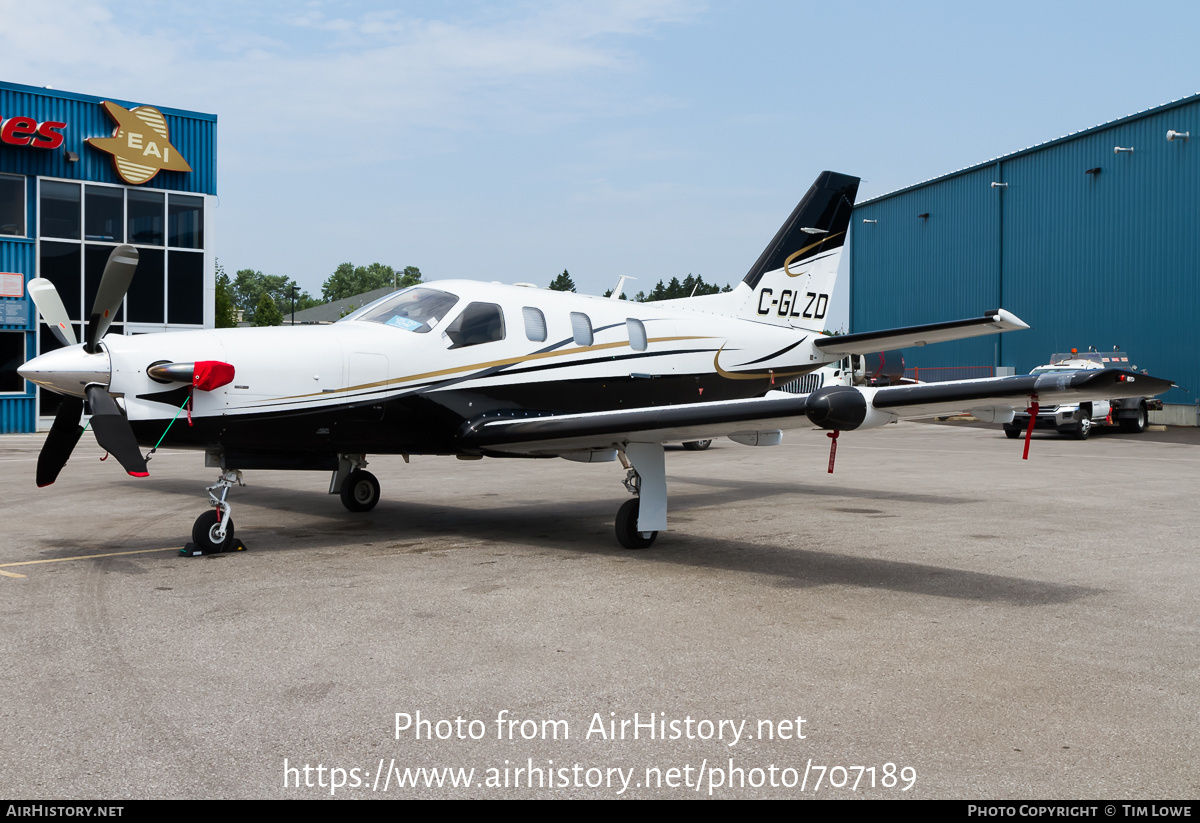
[[791, 283]]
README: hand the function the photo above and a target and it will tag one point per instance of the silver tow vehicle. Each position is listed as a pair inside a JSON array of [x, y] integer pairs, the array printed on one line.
[[1078, 419]]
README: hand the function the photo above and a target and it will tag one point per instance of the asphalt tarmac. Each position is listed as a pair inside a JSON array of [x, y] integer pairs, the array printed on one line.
[[936, 619]]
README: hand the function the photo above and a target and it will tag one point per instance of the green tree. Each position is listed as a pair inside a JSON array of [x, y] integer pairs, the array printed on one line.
[[266, 313], [249, 286], [411, 276], [691, 286], [563, 282], [348, 280], [226, 318]]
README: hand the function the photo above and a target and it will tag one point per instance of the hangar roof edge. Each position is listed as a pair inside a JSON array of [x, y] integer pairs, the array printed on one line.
[[46, 91], [1182, 101]]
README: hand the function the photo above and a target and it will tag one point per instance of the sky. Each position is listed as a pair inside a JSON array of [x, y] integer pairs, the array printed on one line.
[[508, 141]]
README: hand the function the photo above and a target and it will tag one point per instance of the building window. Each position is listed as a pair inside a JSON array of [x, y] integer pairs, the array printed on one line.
[[146, 293], [105, 214], [60, 210], [12, 205], [185, 222], [146, 218], [185, 287], [12, 355], [581, 329], [535, 324], [637, 334]]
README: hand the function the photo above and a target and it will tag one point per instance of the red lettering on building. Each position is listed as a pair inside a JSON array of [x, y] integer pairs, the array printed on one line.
[[48, 135], [25, 131]]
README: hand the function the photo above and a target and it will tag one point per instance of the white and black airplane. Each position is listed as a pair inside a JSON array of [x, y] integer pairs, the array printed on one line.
[[472, 369]]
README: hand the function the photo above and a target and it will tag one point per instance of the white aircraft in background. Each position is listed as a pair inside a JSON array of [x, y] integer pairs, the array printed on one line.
[[472, 369]]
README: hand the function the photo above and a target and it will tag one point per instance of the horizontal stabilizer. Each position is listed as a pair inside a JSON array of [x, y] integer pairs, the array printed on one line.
[[993, 322]]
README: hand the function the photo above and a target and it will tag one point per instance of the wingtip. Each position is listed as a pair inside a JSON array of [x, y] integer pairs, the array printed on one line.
[[139, 474]]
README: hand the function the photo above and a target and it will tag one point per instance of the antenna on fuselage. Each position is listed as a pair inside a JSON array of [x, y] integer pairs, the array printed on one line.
[[616, 293]]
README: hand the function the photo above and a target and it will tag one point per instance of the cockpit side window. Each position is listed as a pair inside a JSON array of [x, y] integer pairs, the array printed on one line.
[[478, 323], [417, 309]]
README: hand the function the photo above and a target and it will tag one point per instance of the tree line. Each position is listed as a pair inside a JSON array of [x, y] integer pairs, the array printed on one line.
[[690, 286], [266, 299]]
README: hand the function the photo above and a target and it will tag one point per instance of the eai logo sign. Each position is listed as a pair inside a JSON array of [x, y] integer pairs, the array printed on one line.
[[140, 144], [25, 131]]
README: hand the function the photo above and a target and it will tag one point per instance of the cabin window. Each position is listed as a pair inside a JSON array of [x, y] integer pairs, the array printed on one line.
[[535, 324], [478, 323], [416, 309], [581, 329], [637, 334]]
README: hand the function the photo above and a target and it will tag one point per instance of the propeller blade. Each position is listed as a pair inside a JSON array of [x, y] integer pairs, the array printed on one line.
[[113, 432], [45, 297], [64, 434], [118, 274]]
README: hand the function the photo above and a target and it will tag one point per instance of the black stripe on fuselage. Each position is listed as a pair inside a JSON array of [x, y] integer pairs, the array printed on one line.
[[430, 423]]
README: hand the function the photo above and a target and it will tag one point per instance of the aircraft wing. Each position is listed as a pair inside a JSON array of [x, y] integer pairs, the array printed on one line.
[[928, 399], [991, 323], [836, 407]]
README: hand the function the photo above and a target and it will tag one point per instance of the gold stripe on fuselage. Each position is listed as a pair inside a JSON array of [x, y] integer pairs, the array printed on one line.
[[488, 365], [769, 375]]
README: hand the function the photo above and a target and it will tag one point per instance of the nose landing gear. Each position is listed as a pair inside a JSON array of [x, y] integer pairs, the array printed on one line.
[[212, 533]]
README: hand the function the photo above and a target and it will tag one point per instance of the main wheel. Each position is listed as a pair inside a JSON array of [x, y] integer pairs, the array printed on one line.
[[627, 531], [204, 534], [697, 445], [360, 491], [1085, 426], [1135, 425]]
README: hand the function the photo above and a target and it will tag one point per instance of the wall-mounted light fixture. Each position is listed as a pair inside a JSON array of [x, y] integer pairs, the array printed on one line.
[[1173, 135], [1119, 149], [1093, 172], [71, 156], [996, 185], [865, 220], [924, 216]]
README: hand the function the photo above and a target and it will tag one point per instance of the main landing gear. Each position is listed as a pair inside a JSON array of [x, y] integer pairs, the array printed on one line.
[[212, 533], [640, 520], [357, 487]]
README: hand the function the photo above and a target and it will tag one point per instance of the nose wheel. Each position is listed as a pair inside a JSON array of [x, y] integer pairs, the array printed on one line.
[[212, 533], [207, 537]]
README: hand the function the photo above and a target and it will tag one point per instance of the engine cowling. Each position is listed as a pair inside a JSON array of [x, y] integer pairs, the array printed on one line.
[[845, 408]]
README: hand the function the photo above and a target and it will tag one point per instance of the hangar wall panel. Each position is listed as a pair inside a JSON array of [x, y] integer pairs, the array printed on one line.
[[908, 270], [1110, 258]]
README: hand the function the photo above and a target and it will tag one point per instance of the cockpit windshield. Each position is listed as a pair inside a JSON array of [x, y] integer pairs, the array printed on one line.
[[417, 309]]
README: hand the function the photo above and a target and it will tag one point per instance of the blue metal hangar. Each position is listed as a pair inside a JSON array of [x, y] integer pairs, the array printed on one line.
[[80, 175], [1093, 239]]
